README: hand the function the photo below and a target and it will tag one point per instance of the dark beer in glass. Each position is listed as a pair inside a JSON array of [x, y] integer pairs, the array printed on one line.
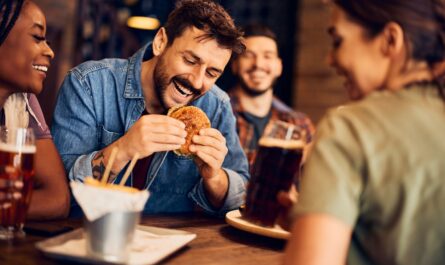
[[276, 168], [16, 179]]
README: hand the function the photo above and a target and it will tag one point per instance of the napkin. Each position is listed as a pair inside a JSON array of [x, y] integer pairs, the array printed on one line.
[[97, 201]]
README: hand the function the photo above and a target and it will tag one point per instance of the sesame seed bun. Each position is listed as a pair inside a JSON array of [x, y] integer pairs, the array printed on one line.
[[194, 119]]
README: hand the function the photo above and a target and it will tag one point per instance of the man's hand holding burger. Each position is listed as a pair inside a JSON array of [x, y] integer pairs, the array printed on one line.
[[208, 146], [149, 134], [186, 131], [210, 149]]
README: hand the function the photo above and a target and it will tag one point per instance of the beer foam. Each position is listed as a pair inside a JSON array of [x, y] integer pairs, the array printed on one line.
[[27, 149], [285, 144]]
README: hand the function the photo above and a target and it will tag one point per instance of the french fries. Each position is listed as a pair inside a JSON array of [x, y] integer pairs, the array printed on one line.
[[93, 182]]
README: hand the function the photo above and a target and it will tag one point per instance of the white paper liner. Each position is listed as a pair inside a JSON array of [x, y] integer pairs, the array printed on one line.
[[96, 201]]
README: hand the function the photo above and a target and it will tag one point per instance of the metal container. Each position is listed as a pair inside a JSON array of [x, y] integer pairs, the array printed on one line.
[[109, 237]]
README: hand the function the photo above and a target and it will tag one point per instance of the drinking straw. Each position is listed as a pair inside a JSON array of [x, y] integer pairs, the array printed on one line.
[[109, 165], [129, 169]]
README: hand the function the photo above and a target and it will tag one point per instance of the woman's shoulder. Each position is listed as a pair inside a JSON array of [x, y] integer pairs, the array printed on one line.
[[360, 115], [379, 111], [376, 103]]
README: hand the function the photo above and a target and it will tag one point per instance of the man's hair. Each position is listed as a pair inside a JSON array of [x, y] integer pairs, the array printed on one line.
[[208, 16], [9, 13], [259, 30]]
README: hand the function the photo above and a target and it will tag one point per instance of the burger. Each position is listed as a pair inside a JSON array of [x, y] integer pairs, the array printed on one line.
[[194, 119]]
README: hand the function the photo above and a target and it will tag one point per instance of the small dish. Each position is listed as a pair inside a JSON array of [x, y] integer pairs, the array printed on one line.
[[152, 244], [235, 219]]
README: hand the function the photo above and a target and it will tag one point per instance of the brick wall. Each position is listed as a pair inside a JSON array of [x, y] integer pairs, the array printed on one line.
[[316, 86]]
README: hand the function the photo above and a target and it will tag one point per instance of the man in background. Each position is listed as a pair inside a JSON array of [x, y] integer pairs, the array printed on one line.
[[252, 98]]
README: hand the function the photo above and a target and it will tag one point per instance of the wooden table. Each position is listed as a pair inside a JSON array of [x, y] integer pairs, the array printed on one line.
[[216, 243]]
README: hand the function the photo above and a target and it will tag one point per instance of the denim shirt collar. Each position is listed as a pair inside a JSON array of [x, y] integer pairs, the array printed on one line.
[[133, 88]]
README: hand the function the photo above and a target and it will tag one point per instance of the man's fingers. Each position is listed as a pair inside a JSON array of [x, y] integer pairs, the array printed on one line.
[[218, 144], [165, 128], [212, 132], [208, 159], [209, 141], [154, 119], [162, 138], [208, 150]]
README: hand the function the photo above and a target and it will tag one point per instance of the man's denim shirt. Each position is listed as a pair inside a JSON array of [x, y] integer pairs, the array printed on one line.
[[100, 100]]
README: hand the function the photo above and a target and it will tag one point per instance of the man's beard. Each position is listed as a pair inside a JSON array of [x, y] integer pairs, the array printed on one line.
[[253, 92], [161, 82], [160, 79]]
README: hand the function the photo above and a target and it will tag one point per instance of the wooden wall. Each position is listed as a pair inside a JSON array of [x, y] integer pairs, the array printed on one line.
[[316, 86]]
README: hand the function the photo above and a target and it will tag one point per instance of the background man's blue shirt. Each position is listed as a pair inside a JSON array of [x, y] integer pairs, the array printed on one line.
[[100, 100]]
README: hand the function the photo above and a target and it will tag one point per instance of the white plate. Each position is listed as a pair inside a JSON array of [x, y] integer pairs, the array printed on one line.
[[142, 253], [235, 219]]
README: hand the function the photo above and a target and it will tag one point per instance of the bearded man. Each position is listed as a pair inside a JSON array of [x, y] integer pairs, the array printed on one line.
[[122, 103]]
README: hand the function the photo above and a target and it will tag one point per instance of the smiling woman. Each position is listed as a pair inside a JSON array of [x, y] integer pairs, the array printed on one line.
[[25, 53], [26, 57], [372, 187]]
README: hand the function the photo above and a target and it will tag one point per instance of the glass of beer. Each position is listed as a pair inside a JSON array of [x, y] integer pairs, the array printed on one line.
[[17, 149], [276, 168]]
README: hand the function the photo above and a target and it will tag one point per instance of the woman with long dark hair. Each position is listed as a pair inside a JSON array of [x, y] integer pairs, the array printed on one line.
[[374, 184], [24, 60]]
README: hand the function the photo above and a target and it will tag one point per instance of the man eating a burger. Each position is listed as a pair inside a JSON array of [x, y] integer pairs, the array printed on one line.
[[116, 103]]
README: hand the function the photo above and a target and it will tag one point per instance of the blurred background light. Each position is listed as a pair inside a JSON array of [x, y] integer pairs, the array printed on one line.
[[144, 23]]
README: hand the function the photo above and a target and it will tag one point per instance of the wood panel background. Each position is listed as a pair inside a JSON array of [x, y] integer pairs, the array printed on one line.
[[316, 86]]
